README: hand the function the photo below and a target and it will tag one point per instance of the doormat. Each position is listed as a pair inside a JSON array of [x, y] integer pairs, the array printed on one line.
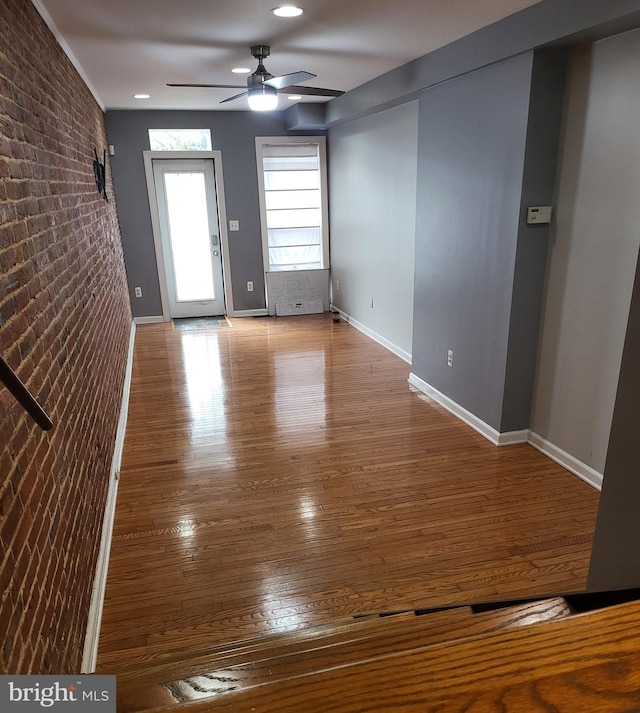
[[193, 323]]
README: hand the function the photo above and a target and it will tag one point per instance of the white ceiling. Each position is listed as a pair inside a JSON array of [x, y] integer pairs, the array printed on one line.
[[126, 47]]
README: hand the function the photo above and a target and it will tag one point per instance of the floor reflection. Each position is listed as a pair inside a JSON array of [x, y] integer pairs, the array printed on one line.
[[309, 510], [205, 388], [300, 389], [203, 380], [281, 614]]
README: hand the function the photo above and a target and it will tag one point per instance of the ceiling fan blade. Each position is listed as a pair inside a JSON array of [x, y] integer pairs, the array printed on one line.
[[235, 96], [286, 80], [312, 91], [210, 86]]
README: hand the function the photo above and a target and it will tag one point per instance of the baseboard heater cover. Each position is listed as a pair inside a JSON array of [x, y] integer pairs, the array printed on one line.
[[284, 309]]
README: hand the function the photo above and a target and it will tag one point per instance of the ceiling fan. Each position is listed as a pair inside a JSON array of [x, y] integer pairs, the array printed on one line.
[[263, 88]]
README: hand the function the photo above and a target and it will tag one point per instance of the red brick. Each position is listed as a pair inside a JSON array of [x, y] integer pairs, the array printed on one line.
[[64, 328]]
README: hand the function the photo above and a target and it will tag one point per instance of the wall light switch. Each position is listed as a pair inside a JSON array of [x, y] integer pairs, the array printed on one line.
[[234, 225]]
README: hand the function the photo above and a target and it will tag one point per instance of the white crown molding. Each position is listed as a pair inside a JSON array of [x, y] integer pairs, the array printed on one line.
[[44, 14]]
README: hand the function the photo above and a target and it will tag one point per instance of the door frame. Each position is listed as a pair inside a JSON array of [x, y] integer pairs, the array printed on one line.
[[216, 157]]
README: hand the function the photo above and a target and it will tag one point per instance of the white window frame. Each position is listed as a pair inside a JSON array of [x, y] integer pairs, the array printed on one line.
[[321, 142]]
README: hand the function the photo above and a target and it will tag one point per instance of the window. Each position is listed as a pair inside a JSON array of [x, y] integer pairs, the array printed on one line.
[[293, 203], [180, 139]]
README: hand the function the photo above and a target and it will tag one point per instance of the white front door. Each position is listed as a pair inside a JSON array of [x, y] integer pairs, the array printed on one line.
[[190, 232]]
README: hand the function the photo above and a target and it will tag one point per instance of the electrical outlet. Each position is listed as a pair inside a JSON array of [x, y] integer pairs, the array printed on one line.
[[234, 225], [137, 291], [337, 284], [450, 357], [249, 286], [371, 303]]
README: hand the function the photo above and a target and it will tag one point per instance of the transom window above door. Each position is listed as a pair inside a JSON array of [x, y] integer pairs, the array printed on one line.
[[293, 202], [180, 139]]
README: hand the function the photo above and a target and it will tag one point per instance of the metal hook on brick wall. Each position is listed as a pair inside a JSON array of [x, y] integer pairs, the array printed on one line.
[[10, 379]]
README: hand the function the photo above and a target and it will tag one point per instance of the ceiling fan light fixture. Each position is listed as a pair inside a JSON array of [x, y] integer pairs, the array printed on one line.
[[241, 70], [287, 11], [262, 98]]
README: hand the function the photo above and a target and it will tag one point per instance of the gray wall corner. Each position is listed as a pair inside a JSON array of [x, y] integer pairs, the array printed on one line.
[[538, 180], [615, 558], [302, 117], [471, 156]]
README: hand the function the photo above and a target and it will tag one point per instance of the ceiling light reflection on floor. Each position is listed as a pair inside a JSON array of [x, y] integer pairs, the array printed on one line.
[[280, 614], [308, 508]]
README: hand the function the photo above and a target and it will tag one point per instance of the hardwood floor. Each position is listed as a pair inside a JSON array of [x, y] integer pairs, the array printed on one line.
[[282, 472]]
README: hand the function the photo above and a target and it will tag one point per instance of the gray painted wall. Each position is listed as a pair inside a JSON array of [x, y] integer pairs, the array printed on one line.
[[233, 133], [372, 214], [595, 241], [563, 23], [472, 178], [615, 563], [543, 134]]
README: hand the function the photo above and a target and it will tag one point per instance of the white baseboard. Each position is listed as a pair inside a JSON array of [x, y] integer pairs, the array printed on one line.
[[572, 464], [250, 313], [149, 320], [90, 652], [490, 433], [512, 438], [404, 355], [566, 460]]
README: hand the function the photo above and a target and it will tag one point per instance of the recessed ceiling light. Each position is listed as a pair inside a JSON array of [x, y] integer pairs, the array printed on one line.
[[295, 97], [141, 96], [287, 11], [241, 70]]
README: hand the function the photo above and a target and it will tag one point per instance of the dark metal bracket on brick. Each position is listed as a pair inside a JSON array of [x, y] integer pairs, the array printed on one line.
[[23, 396]]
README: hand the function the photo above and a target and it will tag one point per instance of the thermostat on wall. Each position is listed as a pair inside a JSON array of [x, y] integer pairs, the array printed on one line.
[[539, 214]]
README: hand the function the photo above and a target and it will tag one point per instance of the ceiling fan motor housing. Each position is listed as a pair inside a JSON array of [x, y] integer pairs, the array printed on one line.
[[261, 75], [260, 52], [258, 78]]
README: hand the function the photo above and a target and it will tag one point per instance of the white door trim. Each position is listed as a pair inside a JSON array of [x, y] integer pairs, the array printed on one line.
[[216, 157]]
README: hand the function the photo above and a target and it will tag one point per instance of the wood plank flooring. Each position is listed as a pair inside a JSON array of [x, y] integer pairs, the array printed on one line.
[[281, 473]]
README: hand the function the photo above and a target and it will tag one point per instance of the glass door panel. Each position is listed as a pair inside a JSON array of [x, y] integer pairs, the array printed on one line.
[[189, 236], [190, 233]]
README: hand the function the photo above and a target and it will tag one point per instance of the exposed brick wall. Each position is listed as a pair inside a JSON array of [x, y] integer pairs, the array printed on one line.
[[64, 328]]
